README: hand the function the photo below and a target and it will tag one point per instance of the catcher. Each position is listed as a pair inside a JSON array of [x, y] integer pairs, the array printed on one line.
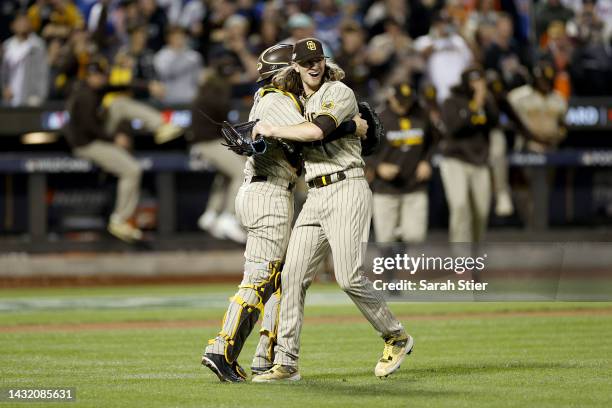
[[264, 206]]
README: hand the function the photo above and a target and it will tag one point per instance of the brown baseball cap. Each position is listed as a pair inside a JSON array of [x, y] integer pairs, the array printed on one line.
[[307, 49]]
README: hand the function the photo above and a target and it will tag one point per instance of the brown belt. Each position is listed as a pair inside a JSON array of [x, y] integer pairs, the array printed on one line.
[[260, 179], [326, 180]]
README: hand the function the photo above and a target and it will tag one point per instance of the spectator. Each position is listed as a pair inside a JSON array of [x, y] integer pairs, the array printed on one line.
[[88, 140], [192, 17], [69, 63], [25, 71], [542, 110], [352, 57], [8, 11], [234, 56], [421, 15], [178, 68], [591, 67], [99, 24], [386, 51], [505, 56], [172, 9], [213, 99], [156, 22], [381, 11], [446, 53], [558, 52], [327, 20], [270, 27], [483, 15], [403, 169], [548, 11], [55, 18], [469, 114], [143, 69], [301, 26], [586, 24]]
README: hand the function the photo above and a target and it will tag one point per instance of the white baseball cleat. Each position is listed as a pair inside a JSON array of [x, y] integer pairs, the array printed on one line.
[[503, 206], [395, 351], [124, 231], [207, 220], [228, 227]]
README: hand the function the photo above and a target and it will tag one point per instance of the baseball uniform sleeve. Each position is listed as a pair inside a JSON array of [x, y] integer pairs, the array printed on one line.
[[338, 103]]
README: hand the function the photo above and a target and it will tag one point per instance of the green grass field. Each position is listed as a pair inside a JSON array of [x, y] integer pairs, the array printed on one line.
[[466, 354]]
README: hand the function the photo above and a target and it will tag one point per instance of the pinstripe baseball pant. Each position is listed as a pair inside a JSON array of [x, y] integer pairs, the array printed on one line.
[[337, 218], [265, 209]]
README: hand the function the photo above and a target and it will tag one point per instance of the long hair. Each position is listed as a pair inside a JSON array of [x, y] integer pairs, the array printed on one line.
[[289, 80]]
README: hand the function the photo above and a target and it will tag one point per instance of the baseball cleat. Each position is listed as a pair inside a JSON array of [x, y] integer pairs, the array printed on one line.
[[396, 349], [260, 370], [278, 373], [239, 370], [222, 369], [124, 231]]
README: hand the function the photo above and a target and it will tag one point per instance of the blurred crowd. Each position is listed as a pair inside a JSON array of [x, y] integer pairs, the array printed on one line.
[[468, 78], [161, 47]]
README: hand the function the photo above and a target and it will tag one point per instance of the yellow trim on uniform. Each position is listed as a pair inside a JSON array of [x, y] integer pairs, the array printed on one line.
[[265, 90], [328, 114], [324, 180]]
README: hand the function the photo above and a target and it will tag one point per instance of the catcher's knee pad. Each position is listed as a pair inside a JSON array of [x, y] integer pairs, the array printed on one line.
[[259, 283]]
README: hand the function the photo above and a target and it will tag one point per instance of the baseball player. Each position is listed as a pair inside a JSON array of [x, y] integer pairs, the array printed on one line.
[[403, 169], [264, 206], [88, 139], [469, 114], [336, 215]]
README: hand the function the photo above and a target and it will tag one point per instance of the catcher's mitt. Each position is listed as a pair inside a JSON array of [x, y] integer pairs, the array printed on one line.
[[376, 130], [238, 138]]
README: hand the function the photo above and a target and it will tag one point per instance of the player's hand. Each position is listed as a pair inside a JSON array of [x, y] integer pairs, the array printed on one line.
[[423, 171], [387, 171], [157, 89], [362, 126], [123, 140], [263, 129]]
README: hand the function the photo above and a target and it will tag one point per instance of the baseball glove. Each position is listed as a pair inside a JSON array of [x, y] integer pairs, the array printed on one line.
[[238, 138], [376, 130]]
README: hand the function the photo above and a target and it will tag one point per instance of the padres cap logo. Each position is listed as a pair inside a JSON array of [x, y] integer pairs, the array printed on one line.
[[311, 45]]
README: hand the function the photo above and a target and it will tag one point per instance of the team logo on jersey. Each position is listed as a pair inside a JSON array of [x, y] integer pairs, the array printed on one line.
[[311, 45], [329, 105], [404, 124]]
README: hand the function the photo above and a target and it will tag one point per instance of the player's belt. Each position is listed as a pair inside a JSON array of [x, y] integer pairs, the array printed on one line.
[[326, 180], [260, 179]]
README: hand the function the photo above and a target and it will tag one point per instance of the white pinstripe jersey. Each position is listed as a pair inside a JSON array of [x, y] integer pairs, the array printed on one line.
[[337, 101], [279, 109]]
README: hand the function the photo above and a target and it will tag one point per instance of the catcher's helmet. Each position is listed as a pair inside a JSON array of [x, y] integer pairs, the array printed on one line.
[[273, 59]]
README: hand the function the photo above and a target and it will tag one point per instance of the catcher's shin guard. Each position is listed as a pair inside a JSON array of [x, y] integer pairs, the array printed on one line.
[[259, 283], [264, 354]]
